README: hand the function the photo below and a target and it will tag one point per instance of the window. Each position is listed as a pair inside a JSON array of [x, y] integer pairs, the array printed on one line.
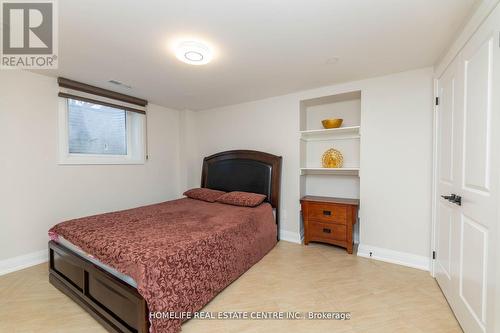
[[92, 133], [96, 129]]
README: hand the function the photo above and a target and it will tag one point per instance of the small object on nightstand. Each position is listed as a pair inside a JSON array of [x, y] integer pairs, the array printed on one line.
[[329, 220]]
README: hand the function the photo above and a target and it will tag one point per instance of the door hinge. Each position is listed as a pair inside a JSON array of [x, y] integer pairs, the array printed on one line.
[[437, 100], [433, 255]]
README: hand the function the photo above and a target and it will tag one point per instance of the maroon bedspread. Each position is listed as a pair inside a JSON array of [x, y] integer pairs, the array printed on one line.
[[181, 253]]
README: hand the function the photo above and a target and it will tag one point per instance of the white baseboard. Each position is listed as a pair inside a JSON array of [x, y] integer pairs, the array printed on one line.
[[394, 257], [377, 253], [24, 261], [288, 236]]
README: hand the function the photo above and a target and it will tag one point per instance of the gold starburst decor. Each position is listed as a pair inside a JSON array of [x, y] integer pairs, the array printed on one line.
[[332, 158]]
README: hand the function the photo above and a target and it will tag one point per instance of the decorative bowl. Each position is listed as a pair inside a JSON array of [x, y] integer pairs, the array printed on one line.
[[332, 158], [332, 123]]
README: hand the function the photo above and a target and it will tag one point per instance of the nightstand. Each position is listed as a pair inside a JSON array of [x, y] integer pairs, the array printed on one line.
[[329, 220]]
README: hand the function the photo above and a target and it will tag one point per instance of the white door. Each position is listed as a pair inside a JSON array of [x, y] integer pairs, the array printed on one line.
[[447, 177], [468, 167]]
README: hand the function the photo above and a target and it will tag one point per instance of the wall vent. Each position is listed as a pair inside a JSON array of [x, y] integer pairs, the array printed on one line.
[[119, 83]]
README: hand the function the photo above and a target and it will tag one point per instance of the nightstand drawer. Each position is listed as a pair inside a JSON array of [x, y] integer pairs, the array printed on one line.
[[327, 231], [327, 213]]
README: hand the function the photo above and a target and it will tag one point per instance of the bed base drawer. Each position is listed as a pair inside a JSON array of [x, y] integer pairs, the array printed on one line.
[[113, 299], [115, 304], [68, 269]]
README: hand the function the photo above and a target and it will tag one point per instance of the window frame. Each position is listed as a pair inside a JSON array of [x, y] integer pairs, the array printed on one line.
[[136, 141]]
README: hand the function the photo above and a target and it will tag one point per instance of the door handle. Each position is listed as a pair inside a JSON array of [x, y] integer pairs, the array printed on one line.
[[450, 197], [453, 198]]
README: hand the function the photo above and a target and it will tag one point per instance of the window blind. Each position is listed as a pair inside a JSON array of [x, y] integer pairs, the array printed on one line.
[[96, 129], [95, 112], [91, 94]]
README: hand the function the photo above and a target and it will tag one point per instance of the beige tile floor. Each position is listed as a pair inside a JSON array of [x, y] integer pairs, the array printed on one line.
[[381, 297]]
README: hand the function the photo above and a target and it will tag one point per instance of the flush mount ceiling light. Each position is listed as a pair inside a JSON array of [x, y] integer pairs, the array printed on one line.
[[193, 52]]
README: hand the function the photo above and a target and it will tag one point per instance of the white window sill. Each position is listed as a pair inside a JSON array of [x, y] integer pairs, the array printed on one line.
[[105, 160]]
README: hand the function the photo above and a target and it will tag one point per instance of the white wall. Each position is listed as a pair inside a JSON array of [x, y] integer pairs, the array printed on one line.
[[396, 153], [269, 125], [36, 192], [396, 164]]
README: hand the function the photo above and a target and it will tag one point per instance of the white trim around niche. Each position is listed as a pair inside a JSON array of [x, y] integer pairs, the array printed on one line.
[[288, 236]]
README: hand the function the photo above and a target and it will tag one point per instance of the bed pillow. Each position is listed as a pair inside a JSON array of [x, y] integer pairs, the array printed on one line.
[[204, 194], [245, 199]]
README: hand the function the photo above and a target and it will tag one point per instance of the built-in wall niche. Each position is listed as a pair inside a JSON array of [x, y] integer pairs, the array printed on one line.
[[338, 186], [346, 106], [315, 140], [348, 147]]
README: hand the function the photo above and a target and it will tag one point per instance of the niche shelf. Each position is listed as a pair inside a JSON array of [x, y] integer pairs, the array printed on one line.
[[349, 132], [330, 171]]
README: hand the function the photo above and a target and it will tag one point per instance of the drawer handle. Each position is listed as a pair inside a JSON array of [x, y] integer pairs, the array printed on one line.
[[327, 231], [327, 212]]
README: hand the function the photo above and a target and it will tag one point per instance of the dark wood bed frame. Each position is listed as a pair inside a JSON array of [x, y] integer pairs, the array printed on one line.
[[115, 304]]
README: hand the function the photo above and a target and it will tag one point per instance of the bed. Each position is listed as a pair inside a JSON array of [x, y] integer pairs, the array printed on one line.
[[212, 243]]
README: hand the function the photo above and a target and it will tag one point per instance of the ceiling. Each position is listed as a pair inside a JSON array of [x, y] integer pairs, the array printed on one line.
[[263, 47]]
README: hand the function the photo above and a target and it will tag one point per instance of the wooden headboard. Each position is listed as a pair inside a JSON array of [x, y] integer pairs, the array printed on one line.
[[247, 171]]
